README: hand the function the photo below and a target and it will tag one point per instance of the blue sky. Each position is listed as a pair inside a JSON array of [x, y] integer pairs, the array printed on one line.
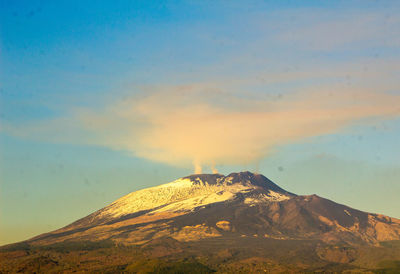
[[84, 86]]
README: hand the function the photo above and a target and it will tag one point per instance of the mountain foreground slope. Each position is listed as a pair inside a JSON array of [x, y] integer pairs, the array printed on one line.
[[211, 222]]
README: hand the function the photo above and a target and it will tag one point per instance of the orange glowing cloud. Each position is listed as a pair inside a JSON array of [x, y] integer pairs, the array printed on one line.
[[201, 125], [186, 125]]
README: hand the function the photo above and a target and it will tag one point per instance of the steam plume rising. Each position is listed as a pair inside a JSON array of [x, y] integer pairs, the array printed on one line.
[[184, 125], [214, 169], [197, 168]]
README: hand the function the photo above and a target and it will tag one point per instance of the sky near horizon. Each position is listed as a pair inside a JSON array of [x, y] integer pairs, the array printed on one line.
[[101, 99]]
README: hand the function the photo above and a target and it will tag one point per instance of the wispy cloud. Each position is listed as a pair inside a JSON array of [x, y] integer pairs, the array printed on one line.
[[197, 125]]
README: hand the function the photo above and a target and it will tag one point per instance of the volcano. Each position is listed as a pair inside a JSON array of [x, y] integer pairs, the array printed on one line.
[[212, 222]]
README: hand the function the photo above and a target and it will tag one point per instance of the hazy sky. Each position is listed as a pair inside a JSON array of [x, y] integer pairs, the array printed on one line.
[[101, 99]]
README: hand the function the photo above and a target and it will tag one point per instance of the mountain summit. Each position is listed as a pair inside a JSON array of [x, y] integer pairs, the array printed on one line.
[[213, 216], [183, 196], [213, 205]]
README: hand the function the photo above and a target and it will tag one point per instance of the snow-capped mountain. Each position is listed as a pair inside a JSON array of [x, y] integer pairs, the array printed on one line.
[[241, 222], [213, 205], [189, 193]]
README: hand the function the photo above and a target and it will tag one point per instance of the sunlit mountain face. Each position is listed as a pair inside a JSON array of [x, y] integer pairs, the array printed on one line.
[[212, 222]]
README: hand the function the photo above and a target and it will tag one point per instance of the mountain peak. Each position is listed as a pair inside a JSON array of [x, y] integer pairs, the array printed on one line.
[[211, 179], [245, 178], [191, 193]]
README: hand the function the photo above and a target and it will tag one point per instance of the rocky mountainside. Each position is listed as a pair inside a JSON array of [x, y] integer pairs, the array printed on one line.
[[239, 217]]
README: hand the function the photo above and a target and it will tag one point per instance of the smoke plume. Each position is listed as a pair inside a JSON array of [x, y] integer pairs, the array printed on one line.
[[185, 125], [191, 125]]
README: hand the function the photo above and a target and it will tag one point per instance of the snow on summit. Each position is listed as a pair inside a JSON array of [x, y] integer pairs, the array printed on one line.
[[188, 193], [204, 206]]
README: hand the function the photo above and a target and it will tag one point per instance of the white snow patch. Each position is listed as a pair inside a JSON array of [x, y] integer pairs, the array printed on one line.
[[272, 196], [183, 195], [250, 201], [176, 183], [198, 201], [275, 196], [179, 195]]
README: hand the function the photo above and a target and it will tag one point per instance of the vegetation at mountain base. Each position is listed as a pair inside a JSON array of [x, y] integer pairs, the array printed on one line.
[[199, 257]]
